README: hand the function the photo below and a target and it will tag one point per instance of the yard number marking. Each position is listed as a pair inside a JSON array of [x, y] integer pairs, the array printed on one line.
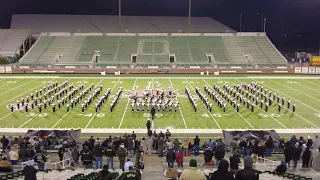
[[33, 114]]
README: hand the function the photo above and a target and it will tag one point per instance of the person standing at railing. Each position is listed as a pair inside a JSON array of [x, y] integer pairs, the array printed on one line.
[[269, 146], [288, 153], [110, 153], [87, 158]]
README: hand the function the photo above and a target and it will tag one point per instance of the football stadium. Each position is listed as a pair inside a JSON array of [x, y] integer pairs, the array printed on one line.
[[81, 91]]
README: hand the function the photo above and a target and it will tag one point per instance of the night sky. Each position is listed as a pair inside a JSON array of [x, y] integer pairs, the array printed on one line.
[[293, 25]]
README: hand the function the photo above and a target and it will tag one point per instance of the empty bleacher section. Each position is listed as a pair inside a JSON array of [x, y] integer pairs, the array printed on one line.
[[11, 40], [143, 51]]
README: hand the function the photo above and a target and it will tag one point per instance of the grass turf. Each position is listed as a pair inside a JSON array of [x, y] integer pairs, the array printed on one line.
[[303, 92]]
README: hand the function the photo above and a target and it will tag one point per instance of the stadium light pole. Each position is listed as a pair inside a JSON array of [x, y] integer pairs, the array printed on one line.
[[265, 22], [241, 22], [189, 24], [120, 15]]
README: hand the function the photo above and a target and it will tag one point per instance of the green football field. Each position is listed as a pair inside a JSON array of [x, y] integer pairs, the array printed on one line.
[[303, 92]]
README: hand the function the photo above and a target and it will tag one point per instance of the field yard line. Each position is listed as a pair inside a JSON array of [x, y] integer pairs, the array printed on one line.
[[29, 120], [21, 94], [308, 87], [5, 116], [125, 110], [95, 112], [310, 82], [232, 107], [269, 114], [71, 109], [293, 99], [295, 90], [18, 86], [205, 106], [185, 125]]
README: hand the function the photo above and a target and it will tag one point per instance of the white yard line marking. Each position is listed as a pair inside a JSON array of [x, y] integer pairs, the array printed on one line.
[[125, 110], [308, 87], [232, 107], [269, 114], [279, 92], [204, 106], [74, 107], [311, 82], [185, 125], [18, 86], [5, 116], [96, 113], [29, 120], [294, 90]]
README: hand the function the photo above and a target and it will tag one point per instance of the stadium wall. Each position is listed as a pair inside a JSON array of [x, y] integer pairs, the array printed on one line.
[[155, 70]]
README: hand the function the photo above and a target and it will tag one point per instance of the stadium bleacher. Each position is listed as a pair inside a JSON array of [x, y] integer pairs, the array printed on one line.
[[226, 51], [11, 40]]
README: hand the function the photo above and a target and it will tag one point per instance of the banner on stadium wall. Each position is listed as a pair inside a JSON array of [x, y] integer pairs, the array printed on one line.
[[312, 70], [305, 70], [8, 69], [297, 70], [250, 135], [2, 69], [317, 70], [64, 135]]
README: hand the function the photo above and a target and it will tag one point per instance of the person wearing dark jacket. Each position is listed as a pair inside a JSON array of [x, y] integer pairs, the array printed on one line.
[[269, 146], [98, 153], [219, 153], [222, 172], [60, 153], [104, 174], [248, 173], [288, 153], [130, 144], [234, 162], [87, 158], [196, 146], [306, 157], [31, 152], [23, 153], [170, 157], [4, 142], [91, 143], [282, 168], [29, 171], [131, 175], [122, 156], [242, 147], [208, 154], [296, 154], [110, 153]]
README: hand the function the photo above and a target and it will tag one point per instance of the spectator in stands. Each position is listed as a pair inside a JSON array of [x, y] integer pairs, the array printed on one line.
[[161, 134], [293, 140], [222, 172], [131, 175], [14, 157], [91, 143], [75, 155], [208, 154], [29, 171], [61, 152], [133, 136], [296, 154], [168, 134], [5, 165], [219, 153], [104, 174], [67, 156], [110, 153], [171, 173], [160, 147], [23, 153], [316, 142], [242, 147], [249, 148], [192, 173], [40, 158], [261, 149], [306, 157], [282, 168], [185, 146], [269, 146], [180, 158], [128, 164], [122, 152], [87, 158], [234, 162], [316, 162], [309, 141], [170, 157], [98, 153], [248, 173], [288, 153], [196, 146], [4, 142], [149, 144], [176, 145], [210, 144], [255, 148], [140, 159], [130, 147]]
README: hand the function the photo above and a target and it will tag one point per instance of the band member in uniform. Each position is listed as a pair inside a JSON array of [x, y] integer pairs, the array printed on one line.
[[40, 107], [148, 124], [294, 107], [266, 107], [68, 107], [252, 107], [11, 107], [279, 107], [238, 107], [82, 107], [288, 103], [153, 112], [26, 107], [53, 107]]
